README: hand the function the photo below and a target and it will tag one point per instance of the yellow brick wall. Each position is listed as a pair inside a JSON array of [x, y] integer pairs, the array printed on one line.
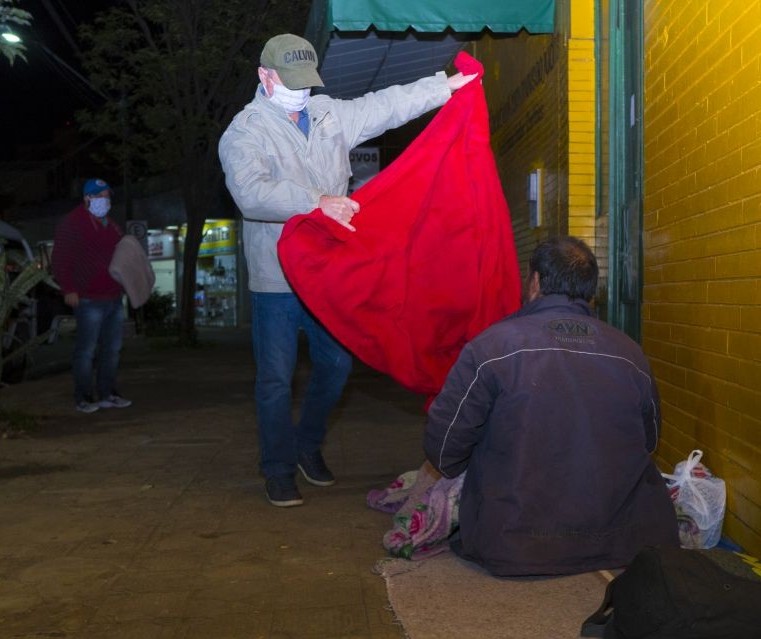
[[702, 240], [524, 86], [541, 95], [581, 122]]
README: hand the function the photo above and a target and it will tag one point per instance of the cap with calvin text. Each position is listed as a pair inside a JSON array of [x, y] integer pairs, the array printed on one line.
[[294, 59]]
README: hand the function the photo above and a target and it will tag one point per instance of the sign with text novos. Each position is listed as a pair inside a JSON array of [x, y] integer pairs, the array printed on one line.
[[365, 163]]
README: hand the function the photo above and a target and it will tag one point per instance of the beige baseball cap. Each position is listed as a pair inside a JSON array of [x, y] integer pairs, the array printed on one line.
[[294, 59]]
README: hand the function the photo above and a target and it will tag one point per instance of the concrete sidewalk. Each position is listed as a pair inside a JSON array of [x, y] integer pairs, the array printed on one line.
[[151, 521]]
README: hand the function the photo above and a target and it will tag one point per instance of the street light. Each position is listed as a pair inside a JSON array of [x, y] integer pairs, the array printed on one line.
[[9, 36], [12, 38], [11, 45]]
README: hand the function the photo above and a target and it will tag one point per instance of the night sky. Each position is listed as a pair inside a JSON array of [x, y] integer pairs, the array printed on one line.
[[41, 94]]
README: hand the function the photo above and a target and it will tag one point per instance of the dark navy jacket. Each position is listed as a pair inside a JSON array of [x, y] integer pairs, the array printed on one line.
[[553, 414]]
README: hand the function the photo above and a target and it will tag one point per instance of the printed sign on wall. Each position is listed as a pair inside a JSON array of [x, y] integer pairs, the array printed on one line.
[[365, 164], [139, 228]]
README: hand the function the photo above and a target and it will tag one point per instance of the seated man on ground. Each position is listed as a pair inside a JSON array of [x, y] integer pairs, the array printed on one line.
[[554, 414]]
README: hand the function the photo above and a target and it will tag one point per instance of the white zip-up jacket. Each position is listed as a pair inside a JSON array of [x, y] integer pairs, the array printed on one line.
[[273, 171]]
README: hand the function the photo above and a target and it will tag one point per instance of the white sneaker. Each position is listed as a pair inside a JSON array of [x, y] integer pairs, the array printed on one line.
[[114, 401], [87, 407]]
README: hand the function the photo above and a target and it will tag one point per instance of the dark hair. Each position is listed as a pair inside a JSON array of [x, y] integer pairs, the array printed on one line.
[[566, 266]]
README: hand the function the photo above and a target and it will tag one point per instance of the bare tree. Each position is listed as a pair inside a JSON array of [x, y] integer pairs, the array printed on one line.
[[177, 71]]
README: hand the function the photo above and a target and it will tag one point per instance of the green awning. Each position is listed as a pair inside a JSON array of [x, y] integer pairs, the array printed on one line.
[[472, 16], [365, 45]]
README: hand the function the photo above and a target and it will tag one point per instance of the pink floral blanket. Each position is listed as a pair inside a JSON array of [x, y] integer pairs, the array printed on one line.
[[425, 513]]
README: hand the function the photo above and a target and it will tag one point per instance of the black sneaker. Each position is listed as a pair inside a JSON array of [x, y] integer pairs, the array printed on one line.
[[281, 491], [313, 467]]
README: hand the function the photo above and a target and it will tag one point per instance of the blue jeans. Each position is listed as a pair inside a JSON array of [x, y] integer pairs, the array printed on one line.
[[97, 346], [276, 319]]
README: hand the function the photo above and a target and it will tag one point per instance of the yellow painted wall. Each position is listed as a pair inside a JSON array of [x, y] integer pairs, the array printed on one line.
[[702, 240], [524, 86], [541, 95], [581, 122]]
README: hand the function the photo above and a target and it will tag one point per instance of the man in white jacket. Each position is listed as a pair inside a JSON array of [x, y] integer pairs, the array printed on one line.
[[284, 154]]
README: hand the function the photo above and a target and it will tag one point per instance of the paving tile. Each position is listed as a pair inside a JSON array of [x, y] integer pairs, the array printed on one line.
[[152, 523], [336, 622], [168, 561], [17, 599], [390, 630], [65, 618], [235, 597], [153, 607], [251, 625], [70, 578], [135, 580], [158, 629], [311, 588]]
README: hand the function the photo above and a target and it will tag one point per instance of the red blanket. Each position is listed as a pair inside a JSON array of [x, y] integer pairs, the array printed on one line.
[[432, 262]]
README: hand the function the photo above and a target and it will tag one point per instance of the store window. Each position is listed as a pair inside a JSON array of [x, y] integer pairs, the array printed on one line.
[[161, 252], [217, 275]]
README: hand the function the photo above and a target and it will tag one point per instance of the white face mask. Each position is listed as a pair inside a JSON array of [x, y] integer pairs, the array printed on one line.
[[291, 100], [99, 206]]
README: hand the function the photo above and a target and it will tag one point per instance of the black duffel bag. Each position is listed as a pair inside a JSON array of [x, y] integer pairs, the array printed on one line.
[[675, 593]]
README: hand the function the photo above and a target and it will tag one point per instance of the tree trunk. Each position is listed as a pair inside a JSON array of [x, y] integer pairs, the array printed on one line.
[[201, 180], [188, 334]]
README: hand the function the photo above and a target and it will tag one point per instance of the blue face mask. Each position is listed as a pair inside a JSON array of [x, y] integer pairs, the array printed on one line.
[[99, 206]]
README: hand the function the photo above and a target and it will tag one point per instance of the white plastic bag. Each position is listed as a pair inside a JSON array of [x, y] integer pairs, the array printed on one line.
[[700, 500]]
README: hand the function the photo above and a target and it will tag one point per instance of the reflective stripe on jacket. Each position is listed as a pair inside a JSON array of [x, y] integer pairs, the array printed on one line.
[[554, 414]]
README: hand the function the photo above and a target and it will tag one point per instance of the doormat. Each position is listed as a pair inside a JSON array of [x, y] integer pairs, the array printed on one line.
[[444, 597]]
